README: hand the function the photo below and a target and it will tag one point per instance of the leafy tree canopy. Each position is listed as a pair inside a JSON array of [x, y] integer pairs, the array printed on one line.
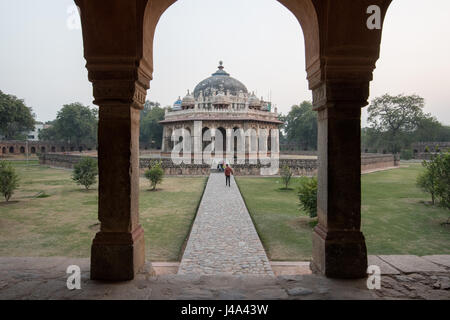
[[75, 124], [15, 117], [394, 120], [301, 125], [151, 131]]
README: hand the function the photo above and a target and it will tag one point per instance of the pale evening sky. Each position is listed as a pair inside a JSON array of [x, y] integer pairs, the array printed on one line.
[[260, 42]]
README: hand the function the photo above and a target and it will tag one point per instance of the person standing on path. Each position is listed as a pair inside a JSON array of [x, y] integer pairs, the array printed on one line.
[[228, 173]]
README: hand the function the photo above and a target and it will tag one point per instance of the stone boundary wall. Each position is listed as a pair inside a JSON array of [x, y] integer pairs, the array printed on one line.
[[377, 161], [15, 147], [60, 160], [300, 167], [427, 155]]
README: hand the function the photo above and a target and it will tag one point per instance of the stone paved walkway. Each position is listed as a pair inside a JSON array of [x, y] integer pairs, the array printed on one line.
[[223, 239]]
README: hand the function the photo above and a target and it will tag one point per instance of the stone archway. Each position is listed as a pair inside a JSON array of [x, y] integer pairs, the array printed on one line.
[[11, 149], [341, 53], [3, 150], [33, 150], [221, 139], [22, 149], [206, 137], [43, 149]]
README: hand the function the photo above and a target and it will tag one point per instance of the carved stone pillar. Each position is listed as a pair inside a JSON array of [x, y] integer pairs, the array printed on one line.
[[229, 146], [118, 249], [252, 145], [339, 248], [164, 140], [197, 142]]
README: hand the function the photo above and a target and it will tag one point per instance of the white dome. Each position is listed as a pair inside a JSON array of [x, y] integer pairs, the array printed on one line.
[[188, 100], [253, 101]]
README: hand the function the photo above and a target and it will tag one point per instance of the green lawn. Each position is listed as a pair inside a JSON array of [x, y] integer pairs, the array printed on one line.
[[64, 223], [395, 216]]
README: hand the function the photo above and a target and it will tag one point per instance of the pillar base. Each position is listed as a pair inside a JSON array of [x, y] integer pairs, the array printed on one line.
[[117, 256], [339, 254]]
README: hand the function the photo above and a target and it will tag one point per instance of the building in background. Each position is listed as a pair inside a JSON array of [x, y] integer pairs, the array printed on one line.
[[221, 103]]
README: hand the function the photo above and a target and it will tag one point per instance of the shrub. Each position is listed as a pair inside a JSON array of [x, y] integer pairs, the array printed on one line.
[[427, 181], [406, 154], [9, 180], [436, 179], [443, 183], [307, 193], [155, 174], [85, 172], [286, 175]]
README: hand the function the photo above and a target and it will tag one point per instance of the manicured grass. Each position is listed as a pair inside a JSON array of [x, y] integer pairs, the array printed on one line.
[[396, 218], [64, 221]]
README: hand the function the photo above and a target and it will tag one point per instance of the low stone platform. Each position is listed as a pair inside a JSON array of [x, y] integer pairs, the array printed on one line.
[[45, 278]]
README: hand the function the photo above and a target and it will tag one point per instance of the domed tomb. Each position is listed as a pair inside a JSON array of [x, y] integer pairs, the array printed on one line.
[[219, 81]]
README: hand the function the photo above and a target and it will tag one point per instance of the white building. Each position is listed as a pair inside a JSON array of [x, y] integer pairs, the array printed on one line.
[[34, 135]]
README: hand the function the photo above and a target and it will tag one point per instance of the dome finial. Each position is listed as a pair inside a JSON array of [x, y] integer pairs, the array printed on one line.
[[221, 65]]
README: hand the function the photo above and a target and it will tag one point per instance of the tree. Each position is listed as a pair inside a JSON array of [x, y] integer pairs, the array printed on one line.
[[9, 180], [151, 130], [301, 125], [85, 172], [15, 117], [370, 139], [75, 125], [155, 174], [430, 129], [286, 175], [394, 118], [307, 193]]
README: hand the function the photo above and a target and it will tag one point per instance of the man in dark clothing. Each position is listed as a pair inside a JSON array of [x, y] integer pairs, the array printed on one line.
[[228, 173]]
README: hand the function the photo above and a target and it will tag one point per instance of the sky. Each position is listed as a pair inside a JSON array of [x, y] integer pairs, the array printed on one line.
[[259, 41]]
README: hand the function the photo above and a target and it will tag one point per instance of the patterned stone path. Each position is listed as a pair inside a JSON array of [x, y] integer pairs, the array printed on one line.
[[223, 239]]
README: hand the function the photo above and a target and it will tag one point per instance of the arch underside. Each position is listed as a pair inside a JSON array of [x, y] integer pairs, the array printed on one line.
[[340, 56]]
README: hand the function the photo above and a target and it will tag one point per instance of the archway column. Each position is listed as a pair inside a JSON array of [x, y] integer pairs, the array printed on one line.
[[164, 140], [229, 146], [339, 248], [118, 249]]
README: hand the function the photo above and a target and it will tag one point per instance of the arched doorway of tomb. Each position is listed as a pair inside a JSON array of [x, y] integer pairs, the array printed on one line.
[[11, 149], [33, 150], [269, 141], [188, 141], [206, 137], [236, 135], [221, 141], [22, 149]]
